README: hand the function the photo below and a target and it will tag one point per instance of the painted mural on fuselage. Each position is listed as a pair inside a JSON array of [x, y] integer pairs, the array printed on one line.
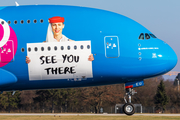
[[111, 41], [59, 57]]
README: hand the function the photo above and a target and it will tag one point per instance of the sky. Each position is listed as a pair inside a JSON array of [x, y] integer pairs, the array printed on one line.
[[161, 17]]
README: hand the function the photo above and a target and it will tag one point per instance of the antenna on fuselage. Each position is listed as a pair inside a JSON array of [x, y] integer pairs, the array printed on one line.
[[16, 3]]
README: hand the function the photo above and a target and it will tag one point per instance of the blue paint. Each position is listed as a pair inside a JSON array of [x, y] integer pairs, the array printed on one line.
[[2, 8], [6, 78], [132, 59], [135, 84]]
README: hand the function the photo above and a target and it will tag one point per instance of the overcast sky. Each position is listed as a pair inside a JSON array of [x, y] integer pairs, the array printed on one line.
[[161, 17]]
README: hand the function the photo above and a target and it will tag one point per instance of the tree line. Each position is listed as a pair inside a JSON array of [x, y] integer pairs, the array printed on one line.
[[91, 99]]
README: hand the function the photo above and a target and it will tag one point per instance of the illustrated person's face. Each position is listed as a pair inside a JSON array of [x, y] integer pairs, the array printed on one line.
[[57, 28]]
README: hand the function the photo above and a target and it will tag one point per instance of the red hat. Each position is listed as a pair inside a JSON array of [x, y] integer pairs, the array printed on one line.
[[56, 19]]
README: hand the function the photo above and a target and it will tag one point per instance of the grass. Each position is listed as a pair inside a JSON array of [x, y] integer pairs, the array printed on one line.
[[89, 118]]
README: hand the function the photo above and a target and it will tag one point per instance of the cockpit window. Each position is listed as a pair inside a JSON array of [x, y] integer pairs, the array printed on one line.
[[141, 36], [152, 35], [147, 36]]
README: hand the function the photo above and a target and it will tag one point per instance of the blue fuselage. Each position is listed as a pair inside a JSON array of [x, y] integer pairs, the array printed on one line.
[[134, 59]]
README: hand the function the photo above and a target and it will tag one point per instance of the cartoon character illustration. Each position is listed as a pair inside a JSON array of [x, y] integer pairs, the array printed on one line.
[[55, 28], [54, 34]]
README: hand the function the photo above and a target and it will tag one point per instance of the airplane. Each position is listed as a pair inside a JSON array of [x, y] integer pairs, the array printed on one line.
[[124, 51]]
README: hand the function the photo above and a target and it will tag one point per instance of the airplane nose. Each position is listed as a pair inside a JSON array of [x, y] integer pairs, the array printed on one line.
[[172, 59], [164, 59]]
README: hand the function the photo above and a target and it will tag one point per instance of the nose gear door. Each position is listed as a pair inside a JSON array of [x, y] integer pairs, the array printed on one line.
[[111, 44]]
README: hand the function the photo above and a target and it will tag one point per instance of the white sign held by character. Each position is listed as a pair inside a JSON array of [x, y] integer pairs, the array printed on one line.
[[65, 60]]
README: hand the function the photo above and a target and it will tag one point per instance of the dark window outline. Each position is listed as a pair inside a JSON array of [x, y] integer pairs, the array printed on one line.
[[142, 34], [2, 22], [42, 48], [75, 47], [9, 22], [22, 49], [29, 49], [41, 20], [152, 35], [88, 46], [68, 47], [28, 21], [82, 47], [62, 47], [35, 49], [49, 48], [55, 48], [22, 21], [35, 21], [15, 22], [147, 36]]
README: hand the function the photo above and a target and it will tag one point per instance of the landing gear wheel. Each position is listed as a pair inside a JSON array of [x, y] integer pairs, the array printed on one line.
[[128, 109]]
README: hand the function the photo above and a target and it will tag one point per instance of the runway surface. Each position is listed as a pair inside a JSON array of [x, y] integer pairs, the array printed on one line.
[[44, 114]]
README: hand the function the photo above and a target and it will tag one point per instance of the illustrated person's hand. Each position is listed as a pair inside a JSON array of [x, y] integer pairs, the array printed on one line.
[[27, 60], [91, 57]]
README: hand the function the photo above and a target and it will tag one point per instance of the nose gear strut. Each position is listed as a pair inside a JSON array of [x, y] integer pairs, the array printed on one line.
[[128, 107]]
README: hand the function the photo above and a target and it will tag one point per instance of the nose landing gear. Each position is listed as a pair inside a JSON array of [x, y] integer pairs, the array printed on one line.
[[128, 107]]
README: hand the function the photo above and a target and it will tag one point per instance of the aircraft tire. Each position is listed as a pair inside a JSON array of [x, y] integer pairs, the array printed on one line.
[[129, 109]]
